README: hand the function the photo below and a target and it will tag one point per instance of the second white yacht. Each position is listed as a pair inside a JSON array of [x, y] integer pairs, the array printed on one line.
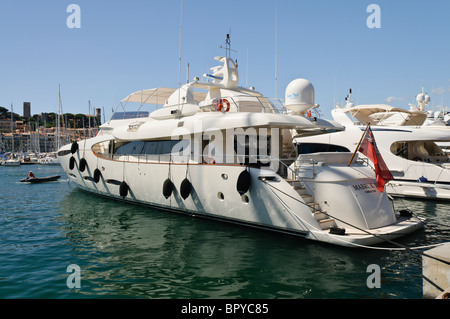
[[420, 167]]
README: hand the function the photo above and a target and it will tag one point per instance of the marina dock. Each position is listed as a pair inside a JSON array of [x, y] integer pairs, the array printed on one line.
[[436, 272]]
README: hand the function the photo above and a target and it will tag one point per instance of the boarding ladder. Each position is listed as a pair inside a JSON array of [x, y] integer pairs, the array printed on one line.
[[306, 193]]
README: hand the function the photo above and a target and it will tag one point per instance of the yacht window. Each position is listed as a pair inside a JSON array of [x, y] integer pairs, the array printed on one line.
[[134, 147], [166, 147], [308, 148], [420, 151], [159, 147], [129, 115], [151, 147], [253, 149]]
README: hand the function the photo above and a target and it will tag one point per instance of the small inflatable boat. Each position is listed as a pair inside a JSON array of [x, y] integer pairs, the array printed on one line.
[[36, 180]]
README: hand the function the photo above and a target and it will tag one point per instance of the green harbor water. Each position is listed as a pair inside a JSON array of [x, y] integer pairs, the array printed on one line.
[[128, 251]]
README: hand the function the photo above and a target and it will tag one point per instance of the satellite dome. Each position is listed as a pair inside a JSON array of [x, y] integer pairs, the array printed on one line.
[[420, 97], [299, 95]]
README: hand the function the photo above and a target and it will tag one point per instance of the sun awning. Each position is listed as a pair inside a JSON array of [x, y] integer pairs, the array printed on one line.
[[374, 113], [373, 108], [150, 96], [158, 96]]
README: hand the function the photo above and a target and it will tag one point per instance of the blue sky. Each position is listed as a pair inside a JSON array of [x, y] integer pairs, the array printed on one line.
[[126, 46]]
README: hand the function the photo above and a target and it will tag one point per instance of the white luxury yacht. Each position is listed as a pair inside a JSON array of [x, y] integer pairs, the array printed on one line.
[[420, 167], [435, 119], [221, 151]]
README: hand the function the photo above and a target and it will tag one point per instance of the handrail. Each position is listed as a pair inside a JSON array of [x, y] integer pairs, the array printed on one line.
[[298, 176], [262, 103], [158, 157]]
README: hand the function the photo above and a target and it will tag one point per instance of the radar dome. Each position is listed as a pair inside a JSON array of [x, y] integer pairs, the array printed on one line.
[[299, 96], [420, 97]]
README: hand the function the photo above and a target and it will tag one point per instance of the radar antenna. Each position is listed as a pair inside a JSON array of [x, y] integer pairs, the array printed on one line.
[[227, 45]]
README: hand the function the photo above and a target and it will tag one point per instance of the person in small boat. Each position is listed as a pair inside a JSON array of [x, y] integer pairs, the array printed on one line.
[[31, 175]]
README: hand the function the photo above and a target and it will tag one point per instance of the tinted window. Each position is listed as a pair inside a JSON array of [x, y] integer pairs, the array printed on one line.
[[151, 147], [308, 148], [129, 115]]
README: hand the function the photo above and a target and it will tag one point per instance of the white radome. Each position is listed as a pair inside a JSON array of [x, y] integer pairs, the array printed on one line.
[[299, 95]]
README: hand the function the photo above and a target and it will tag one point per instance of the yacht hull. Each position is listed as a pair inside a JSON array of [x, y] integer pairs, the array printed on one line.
[[419, 190], [269, 203], [213, 191]]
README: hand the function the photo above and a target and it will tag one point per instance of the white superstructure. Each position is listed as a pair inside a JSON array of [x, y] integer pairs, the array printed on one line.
[[221, 151]]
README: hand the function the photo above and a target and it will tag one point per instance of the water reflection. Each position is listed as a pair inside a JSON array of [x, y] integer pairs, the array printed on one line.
[[132, 251], [437, 219]]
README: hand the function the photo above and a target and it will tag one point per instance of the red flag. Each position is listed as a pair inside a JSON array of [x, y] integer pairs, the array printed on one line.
[[369, 148]]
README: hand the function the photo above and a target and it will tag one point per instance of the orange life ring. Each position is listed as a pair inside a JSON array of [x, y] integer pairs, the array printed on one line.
[[219, 105], [309, 113]]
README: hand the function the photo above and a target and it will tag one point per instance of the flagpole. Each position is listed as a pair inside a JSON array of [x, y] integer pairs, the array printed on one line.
[[357, 147]]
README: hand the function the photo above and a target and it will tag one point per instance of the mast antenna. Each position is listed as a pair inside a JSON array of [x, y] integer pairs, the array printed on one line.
[[276, 57], [179, 53], [227, 45]]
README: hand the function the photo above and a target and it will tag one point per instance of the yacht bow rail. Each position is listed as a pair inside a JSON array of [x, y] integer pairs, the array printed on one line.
[[235, 159]]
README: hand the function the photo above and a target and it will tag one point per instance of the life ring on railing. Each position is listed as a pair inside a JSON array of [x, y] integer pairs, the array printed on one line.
[[220, 105], [308, 113]]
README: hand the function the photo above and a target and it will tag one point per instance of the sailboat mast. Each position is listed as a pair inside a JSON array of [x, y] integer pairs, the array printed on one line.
[[12, 131], [57, 118], [276, 57], [89, 117]]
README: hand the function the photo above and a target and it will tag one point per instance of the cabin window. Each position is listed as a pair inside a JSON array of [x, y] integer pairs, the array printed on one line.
[[151, 147], [253, 149], [130, 148], [141, 147], [420, 151], [129, 115], [308, 148]]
